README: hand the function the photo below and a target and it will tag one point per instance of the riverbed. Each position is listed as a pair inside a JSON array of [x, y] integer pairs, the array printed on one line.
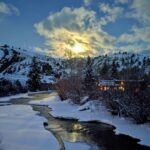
[[90, 136]]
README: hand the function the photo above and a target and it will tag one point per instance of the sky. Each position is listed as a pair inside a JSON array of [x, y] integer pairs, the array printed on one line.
[[76, 27]]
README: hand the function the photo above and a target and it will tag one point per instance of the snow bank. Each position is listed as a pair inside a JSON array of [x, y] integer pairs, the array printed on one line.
[[8, 98], [14, 77], [47, 79], [21, 128], [94, 111], [39, 92]]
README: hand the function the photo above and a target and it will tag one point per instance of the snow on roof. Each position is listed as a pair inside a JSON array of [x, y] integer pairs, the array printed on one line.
[[107, 82]]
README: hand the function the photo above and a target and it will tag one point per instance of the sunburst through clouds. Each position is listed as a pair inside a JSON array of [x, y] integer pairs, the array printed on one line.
[[74, 32]]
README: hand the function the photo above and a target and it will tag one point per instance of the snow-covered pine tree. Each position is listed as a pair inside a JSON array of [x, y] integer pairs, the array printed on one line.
[[47, 69], [34, 76], [104, 70], [18, 86], [89, 82], [114, 72]]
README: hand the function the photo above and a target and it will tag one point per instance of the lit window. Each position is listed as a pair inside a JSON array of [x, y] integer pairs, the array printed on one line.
[[122, 83]]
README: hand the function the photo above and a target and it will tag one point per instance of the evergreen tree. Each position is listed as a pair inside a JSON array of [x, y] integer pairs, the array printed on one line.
[[47, 69], [89, 80], [18, 86], [34, 76], [114, 72], [144, 61], [104, 71], [5, 46]]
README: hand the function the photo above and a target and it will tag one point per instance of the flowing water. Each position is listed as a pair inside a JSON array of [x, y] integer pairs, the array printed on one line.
[[99, 136]]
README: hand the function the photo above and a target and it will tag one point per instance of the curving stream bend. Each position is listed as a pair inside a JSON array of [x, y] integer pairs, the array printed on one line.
[[99, 136]]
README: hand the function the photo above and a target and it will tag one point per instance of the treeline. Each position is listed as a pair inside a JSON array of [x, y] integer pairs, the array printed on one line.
[[125, 66], [10, 88], [76, 85], [133, 102], [130, 103]]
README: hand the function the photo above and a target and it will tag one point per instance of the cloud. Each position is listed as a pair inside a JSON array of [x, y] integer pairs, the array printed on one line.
[[139, 36], [140, 10], [122, 1], [8, 9], [87, 2], [62, 30], [135, 47], [112, 13]]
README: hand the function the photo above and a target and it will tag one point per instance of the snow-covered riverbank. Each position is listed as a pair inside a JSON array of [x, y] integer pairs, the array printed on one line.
[[96, 112], [22, 129], [22, 95], [8, 98]]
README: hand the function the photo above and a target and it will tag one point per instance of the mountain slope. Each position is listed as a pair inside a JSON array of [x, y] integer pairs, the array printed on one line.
[[15, 65], [123, 63]]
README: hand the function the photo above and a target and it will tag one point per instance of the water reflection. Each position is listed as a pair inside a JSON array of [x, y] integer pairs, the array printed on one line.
[[98, 135], [70, 131]]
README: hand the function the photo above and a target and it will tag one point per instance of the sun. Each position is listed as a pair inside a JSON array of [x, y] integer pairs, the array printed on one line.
[[77, 48]]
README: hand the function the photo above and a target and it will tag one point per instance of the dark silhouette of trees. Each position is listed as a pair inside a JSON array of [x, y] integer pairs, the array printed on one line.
[[89, 83], [34, 76], [8, 87], [114, 71], [18, 86], [104, 71], [47, 69]]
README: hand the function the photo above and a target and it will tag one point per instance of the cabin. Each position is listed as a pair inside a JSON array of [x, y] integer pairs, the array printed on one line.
[[106, 85], [121, 85]]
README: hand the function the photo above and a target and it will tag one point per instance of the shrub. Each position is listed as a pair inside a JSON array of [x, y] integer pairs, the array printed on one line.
[[135, 105], [70, 88]]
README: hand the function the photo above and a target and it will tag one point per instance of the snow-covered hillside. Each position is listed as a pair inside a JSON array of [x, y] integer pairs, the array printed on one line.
[[123, 61], [15, 64]]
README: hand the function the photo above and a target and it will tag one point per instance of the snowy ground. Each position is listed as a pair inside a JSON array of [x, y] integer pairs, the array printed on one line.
[[8, 98], [95, 111], [14, 77], [22, 129], [39, 92]]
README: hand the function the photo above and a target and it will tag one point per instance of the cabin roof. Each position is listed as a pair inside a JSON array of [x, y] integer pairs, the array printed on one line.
[[113, 82]]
